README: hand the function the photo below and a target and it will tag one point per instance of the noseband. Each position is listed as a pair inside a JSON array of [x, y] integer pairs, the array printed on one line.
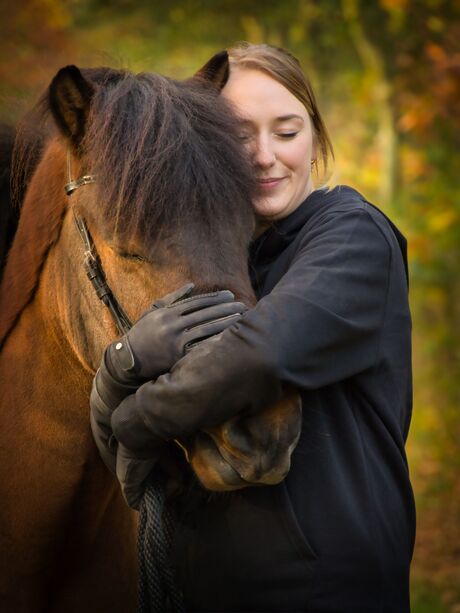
[[92, 261]]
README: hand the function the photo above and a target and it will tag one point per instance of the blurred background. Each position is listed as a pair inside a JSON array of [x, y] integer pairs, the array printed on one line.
[[387, 75]]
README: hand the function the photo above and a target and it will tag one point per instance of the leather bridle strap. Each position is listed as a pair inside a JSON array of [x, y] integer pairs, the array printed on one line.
[[92, 261], [96, 275]]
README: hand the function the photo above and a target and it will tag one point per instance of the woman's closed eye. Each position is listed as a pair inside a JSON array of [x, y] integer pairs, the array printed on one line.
[[245, 137], [286, 135]]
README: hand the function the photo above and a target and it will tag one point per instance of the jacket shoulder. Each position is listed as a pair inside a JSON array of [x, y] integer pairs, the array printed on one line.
[[344, 200], [341, 202]]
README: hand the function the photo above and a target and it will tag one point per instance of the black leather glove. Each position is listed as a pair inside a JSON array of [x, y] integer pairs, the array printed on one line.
[[172, 325], [217, 380], [132, 473], [154, 344]]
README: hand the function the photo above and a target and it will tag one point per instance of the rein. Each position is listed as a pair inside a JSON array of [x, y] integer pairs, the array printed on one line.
[[158, 592]]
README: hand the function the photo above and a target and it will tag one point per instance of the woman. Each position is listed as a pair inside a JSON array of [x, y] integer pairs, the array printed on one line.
[[332, 320]]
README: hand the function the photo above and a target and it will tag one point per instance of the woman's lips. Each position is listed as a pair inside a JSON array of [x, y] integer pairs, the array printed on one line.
[[270, 183]]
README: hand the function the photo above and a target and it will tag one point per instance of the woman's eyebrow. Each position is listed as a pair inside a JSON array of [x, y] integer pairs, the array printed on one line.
[[248, 123], [288, 117]]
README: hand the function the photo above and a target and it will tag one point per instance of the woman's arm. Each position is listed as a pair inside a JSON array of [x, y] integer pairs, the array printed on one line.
[[151, 347], [320, 324]]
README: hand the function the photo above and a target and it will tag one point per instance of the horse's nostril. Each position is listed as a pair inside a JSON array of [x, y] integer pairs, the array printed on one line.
[[212, 469]]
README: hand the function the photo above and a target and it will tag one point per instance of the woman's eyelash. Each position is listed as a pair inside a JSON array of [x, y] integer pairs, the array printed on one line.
[[246, 137]]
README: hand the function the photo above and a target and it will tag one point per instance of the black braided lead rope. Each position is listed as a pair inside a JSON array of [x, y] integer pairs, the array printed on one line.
[[158, 592]]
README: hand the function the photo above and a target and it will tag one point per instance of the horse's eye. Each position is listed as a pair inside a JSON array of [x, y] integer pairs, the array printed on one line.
[[131, 256]]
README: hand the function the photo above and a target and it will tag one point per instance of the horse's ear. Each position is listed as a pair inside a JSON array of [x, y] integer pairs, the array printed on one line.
[[70, 97], [216, 70]]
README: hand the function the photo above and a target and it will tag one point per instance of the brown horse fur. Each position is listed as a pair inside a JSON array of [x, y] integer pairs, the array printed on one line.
[[67, 537]]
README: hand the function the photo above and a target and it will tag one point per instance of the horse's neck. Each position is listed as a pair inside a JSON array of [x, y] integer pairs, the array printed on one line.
[[37, 352], [41, 333], [43, 273]]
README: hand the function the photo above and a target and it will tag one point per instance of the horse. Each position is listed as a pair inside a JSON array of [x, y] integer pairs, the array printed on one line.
[[169, 202]]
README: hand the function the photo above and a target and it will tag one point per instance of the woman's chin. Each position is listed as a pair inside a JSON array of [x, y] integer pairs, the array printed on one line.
[[266, 210]]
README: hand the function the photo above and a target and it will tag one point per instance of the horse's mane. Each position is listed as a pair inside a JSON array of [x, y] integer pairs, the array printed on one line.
[[9, 214], [39, 227], [169, 168]]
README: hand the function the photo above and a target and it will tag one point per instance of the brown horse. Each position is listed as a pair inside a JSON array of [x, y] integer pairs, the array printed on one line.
[[171, 203]]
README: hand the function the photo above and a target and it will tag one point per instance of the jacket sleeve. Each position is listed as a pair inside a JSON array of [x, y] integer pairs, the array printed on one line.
[[320, 324]]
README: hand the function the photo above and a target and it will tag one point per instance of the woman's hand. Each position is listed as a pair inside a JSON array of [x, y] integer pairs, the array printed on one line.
[[154, 344], [163, 333]]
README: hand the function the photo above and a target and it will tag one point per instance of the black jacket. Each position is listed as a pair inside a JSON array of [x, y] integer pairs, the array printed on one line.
[[333, 320]]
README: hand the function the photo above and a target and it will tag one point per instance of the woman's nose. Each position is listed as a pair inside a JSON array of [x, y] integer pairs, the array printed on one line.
[[264, 155]]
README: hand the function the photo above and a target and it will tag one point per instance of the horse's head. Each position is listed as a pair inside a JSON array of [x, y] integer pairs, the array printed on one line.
[[168, 200]]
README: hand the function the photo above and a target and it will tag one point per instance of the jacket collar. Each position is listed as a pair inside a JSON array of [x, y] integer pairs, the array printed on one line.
[[281, 233]]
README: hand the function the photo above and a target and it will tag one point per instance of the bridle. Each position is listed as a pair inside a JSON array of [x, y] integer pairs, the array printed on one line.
[[93, 266], [92, 261]]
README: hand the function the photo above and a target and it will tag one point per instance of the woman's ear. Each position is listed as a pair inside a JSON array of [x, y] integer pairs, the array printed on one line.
[[70, 97], [216, 71]]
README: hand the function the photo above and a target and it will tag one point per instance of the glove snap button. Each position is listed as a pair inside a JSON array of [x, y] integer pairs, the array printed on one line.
[[119, 346]]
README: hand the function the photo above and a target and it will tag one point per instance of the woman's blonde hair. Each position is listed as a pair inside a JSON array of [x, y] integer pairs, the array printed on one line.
[[286, 69]]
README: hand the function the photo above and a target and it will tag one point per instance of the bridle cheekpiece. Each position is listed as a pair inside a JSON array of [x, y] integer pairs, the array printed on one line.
[[92, 262]]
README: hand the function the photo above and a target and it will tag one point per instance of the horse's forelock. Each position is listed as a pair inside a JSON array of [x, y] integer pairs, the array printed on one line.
[[168, 162]]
